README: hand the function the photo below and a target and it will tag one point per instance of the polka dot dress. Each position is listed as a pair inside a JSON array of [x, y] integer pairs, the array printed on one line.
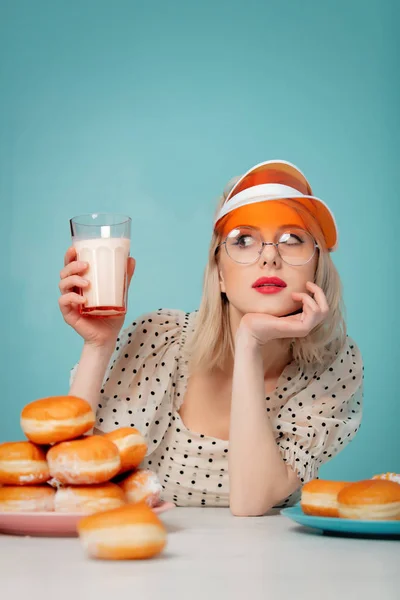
[[314, 414]]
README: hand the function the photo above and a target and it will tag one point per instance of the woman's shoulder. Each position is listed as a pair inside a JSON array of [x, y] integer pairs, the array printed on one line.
[[155, 336], [164, 325], [348, 351], [158, 321]]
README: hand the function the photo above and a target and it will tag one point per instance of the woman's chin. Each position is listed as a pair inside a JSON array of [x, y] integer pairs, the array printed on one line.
[[275, 311], [272, 305], [296, 311]]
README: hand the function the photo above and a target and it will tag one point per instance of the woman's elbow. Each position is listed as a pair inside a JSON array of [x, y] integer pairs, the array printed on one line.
[[249, 509]]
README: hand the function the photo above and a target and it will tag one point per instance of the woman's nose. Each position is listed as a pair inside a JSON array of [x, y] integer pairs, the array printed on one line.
[[270, 253]]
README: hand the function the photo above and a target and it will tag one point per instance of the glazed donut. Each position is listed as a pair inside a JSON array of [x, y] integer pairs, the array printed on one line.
[[130, 532], [91, 459], [389, 476], [56, 419], [16, 498], [88, 499], [131, 445], [142, 486], [371, 500], [319, 497], [22, 463]]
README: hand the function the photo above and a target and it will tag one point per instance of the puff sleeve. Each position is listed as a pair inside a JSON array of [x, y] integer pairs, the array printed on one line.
[[318, 421]]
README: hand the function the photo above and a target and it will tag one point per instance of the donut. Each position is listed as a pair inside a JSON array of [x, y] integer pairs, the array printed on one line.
[[91, 459], [55, 483], [142, 486], [33, 498], [130, 532], [319, 497], [371, 500], [88, 499], [131, 445], [22, 463], [389, 476], [56, 419]]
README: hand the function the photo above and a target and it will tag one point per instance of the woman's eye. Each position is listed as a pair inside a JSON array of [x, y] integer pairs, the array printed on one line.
[[243, 240], [291, 239]]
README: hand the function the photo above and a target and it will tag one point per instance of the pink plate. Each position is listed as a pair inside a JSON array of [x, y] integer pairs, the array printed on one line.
[[49, 524]]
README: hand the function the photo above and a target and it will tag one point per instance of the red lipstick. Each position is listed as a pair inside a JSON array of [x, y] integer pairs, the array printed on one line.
[[269, 285]]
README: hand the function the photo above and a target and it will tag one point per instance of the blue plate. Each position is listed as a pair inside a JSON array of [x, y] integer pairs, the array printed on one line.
[[347, 527]]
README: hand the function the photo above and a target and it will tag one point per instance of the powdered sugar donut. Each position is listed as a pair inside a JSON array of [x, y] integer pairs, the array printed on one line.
[[131, 445], [88, 499], [371, 500], [388, 476], [142, 485], [92, 459], [33, 498], [319, 497], [56, 419], [22, 463], [130, 532]]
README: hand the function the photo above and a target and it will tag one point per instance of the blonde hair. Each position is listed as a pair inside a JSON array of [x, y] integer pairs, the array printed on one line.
[[211, 342]]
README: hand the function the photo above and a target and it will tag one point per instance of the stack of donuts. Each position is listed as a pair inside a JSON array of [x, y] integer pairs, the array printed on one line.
[[374, 499], [62, 468]]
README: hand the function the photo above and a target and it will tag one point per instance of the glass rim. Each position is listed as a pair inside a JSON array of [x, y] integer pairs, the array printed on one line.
[[74, 220]]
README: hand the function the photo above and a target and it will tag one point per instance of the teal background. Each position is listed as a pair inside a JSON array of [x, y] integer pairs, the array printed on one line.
[[148, 109]]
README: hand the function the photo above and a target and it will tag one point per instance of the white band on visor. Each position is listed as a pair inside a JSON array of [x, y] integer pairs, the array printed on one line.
[[259, 193]]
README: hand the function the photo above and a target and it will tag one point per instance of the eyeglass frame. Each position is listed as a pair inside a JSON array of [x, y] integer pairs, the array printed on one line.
[[263, 243]]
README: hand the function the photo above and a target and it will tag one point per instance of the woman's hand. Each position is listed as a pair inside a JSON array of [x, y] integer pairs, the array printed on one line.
[[264, 328], [94, 330]]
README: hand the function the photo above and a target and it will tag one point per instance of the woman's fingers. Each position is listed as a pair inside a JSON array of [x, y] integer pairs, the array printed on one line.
[[70, 255], [73, 268], [312, 312], [306, 300], [74, 281], [319, 297], [131, 268], [71, 298]]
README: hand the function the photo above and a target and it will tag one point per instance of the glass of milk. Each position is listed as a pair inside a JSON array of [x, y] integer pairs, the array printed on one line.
[[103, 241]]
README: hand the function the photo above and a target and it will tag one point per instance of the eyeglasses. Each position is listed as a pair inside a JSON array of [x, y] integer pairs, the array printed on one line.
[[244, 245]]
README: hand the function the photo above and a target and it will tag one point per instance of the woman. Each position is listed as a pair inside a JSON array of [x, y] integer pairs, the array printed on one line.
[[243, 400]]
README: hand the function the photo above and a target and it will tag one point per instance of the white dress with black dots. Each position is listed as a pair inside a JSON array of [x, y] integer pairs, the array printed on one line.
[[314, 414]]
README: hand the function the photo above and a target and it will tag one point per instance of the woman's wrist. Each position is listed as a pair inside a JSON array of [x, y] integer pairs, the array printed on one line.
[[244, 340], [91, 371], [101, 351]]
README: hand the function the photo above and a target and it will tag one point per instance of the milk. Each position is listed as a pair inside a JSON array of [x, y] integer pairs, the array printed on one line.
[[107, 258]]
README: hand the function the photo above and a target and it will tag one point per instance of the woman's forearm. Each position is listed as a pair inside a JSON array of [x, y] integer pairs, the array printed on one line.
[[257, 473], [90, 373]]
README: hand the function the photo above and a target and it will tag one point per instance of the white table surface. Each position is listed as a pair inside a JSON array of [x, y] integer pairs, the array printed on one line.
[[210, 555]]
